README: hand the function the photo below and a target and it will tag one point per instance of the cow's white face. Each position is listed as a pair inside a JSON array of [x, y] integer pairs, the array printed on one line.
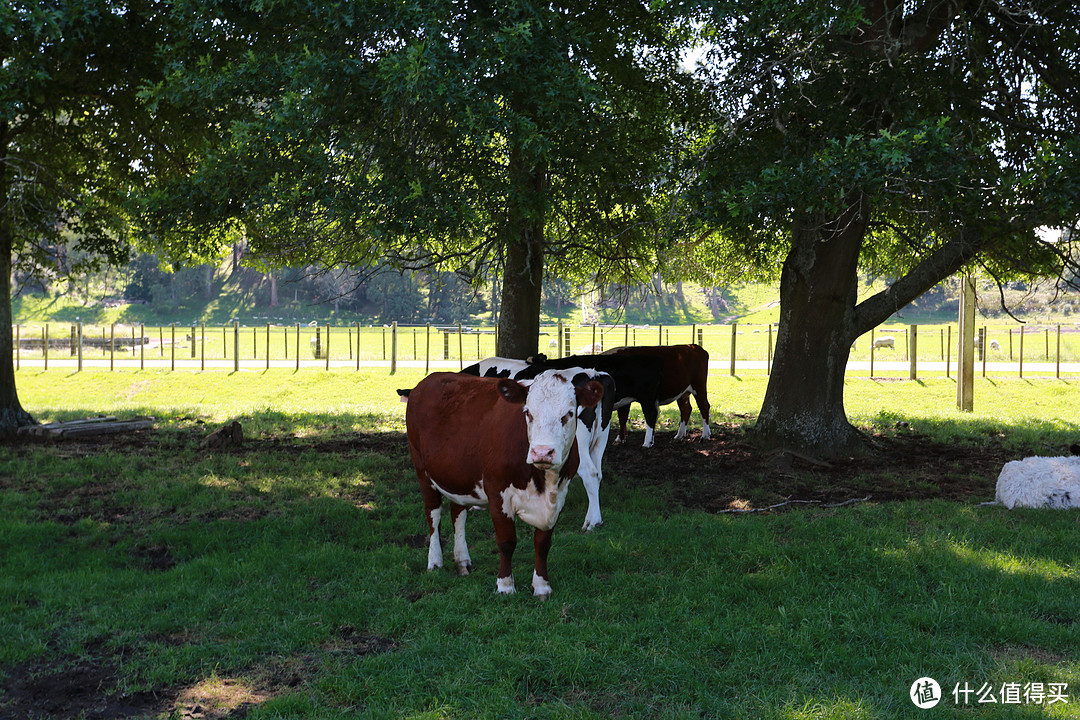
[[550, 407]]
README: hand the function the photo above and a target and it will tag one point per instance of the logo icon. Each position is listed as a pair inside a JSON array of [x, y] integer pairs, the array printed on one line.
[[925, 693]]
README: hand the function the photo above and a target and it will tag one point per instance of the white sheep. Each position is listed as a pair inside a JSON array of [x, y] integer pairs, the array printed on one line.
[[591, 349], [1040, 482], [885, 341]]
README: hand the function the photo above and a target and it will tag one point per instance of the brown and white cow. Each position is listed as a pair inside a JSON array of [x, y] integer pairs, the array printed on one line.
[[594, 424], [501, 443], [685, 372]]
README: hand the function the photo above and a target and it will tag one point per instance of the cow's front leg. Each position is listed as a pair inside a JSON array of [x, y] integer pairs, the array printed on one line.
[[461, 548], [506, 539], [590, 478], [624, 418], [651, 411], [684, 416], [703, 408], [542, 543]]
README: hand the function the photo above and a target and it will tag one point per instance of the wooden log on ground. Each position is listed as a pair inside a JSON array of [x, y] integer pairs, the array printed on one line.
[[87, 427]]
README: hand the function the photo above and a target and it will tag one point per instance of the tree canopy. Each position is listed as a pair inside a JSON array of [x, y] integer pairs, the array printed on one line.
[[908, 139], [74, 140], [439, 135]]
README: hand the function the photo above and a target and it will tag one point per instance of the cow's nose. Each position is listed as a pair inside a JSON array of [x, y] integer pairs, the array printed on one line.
[[541, 455]]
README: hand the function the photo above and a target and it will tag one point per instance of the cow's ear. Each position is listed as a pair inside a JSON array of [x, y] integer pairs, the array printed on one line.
[[589, 394], [513, 391]]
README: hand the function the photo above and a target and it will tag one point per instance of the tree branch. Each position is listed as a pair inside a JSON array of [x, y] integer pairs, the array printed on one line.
[[942, 263]]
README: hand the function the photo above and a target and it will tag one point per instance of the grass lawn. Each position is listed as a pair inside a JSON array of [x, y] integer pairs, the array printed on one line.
[[142, 577]]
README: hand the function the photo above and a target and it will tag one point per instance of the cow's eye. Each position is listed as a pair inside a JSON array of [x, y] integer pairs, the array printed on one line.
[[567, 417], [528, 416]]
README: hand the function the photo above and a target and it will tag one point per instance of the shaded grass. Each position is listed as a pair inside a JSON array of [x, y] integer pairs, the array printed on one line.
[[293, 567]]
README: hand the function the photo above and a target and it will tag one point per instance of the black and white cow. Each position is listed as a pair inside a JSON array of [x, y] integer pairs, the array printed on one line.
[[638, 378], [593, 428], [685, 373]]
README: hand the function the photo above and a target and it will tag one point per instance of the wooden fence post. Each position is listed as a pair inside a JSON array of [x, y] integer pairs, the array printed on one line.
[[734, 327], [872, 333], [985, 348], [202, 347], [768, 354], [559, 340], [965, 381], [393, 348], [1021, 351], [327, 348], [914, 345], [267, 346], [948, 349], [236, 346], [1057, 372], [141, 364]]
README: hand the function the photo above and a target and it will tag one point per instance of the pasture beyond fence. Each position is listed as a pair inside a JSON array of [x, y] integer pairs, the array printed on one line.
[[1001, 348]]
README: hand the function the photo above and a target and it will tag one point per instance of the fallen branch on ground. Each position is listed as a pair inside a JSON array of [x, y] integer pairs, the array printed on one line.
[[788, 502]]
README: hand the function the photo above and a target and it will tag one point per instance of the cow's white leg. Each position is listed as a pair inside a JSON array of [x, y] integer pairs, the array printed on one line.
[[589, 471], [682, 431], [648, 437], [541, 587], [461, 549], [434, 553], [591, 481], [705, 432], [505, 585]]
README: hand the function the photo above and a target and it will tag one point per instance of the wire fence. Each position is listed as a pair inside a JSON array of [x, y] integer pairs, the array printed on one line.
[[892, 348]]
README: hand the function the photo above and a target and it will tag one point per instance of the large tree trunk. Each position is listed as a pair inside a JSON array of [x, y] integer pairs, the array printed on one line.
[[519, 313], [523, 265], [804, 403], [12, 415]]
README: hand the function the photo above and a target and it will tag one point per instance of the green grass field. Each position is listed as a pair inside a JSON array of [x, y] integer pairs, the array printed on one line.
[[146, 578]]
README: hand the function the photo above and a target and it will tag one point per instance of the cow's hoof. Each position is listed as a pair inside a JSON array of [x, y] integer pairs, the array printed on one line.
[[465, 569], [541, 587]]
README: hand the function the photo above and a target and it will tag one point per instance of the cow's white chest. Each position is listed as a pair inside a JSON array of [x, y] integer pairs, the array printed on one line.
[[538, 508]]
